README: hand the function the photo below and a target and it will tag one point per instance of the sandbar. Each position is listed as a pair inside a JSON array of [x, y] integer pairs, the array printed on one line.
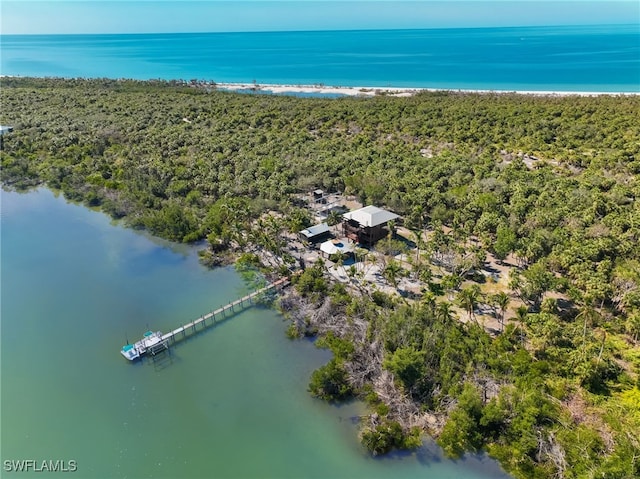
[[391, 91]]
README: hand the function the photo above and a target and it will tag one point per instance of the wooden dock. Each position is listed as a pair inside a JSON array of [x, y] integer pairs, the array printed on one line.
[[220, 313]]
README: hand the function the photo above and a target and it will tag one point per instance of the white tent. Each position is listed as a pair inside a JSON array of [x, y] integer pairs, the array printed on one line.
[[336, 246]]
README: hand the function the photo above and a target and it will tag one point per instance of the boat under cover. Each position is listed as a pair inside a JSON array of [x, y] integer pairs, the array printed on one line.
[[148, 341]]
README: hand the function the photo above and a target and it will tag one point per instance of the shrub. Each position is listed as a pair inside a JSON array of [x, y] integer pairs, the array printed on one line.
[[330, 382]]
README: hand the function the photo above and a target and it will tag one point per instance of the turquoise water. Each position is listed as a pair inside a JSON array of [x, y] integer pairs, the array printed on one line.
[[231, 402], [576, 58]]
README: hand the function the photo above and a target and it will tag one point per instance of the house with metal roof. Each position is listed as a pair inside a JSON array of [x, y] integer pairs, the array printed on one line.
[[315, 234], [367, 225]]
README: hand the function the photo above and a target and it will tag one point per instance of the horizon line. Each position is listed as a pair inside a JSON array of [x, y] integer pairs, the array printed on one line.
[[330, 30]]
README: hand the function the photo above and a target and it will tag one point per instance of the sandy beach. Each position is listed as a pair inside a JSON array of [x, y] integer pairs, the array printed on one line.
[[389, 91], [320, 89]]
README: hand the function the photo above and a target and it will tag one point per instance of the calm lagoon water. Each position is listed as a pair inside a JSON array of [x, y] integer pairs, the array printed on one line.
[[231, 403]]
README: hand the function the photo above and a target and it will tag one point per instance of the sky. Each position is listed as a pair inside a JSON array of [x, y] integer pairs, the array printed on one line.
[[167, 16]]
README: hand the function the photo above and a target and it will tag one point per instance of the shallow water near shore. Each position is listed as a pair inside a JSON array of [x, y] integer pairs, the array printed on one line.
[[600, 58], [229, 402]]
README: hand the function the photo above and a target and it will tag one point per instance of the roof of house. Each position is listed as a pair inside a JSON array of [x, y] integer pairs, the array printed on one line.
[[315, 230], [370, 216]]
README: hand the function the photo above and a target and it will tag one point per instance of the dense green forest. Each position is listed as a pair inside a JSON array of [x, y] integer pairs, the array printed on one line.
[[551, 181]]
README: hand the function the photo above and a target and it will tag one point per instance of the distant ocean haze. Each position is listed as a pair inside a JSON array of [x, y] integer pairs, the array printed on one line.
[[580, 59]]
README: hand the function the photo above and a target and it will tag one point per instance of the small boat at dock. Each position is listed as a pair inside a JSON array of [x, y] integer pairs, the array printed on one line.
[[151, 342], [130, 352]]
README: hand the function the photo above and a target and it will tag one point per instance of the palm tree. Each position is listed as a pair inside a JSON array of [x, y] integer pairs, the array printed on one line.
[[521, 315], [339, 259], [391, 224], [468, 299], [429, 300], [393, 272], [444, 313], [590, 317], [360, 255], [450, 283], [419, 241], [501, 300], [333, 218]]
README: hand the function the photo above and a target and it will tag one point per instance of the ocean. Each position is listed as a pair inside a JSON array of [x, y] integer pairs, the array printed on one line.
[[573, 58], [230, 402]]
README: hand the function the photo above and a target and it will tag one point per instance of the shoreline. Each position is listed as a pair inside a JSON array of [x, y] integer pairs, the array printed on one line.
[[319, 89], [343, 90]]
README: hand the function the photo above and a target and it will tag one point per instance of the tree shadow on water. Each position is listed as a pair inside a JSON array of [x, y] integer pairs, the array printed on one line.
[[430, 454], [426, 455]]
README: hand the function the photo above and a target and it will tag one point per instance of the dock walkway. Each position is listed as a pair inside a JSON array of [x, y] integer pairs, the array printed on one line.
[[234, 306], [156, 342]]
